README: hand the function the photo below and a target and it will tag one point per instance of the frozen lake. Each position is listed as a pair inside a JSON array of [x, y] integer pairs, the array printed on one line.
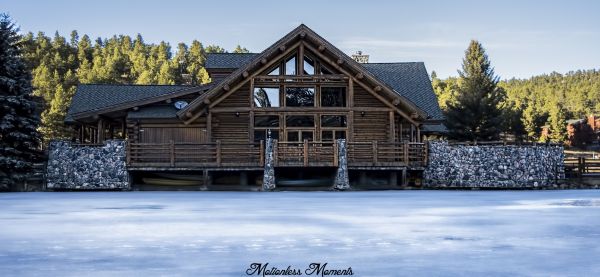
[[383, 233]]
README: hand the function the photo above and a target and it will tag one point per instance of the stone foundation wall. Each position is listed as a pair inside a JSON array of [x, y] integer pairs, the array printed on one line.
[[493, 166], [87, 167]]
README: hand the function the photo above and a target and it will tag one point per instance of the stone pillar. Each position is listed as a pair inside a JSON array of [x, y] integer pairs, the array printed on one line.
[[269, 173], [341, 179]]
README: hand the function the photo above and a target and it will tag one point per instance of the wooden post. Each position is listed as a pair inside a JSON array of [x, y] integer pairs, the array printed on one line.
[[275, 152], [218, 152], [418, 134], [393, 178], [209, 126], [305, 152], [123, 129], [128, 152], [335, 153], [100, 130], [392, 127], [172, 152], [375, 158], [262, 153], [350, 92], [406, 152]]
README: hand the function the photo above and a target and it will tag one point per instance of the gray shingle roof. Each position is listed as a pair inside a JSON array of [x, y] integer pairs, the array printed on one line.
[[410, 80], [165, 111], [89, 97], [227, 60]]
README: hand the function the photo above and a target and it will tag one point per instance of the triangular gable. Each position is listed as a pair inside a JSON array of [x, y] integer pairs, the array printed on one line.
[[324, 50]]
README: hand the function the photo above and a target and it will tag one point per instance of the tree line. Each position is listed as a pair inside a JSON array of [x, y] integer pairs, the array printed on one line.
[[478, 106], [58, 64]]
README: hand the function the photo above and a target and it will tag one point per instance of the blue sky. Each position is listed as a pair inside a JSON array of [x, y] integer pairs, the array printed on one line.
[[523, 38]]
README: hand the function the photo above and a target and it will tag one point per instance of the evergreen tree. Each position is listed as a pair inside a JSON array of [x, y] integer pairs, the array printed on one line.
[[558, 123], [19, 138], [475, 115], [215, 49], [239, 49], [53, 118]]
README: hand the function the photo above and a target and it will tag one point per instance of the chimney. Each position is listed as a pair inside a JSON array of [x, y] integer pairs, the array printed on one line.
[[360, 58]]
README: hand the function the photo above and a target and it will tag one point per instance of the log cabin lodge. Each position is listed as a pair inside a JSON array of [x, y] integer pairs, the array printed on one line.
[[302, 92]]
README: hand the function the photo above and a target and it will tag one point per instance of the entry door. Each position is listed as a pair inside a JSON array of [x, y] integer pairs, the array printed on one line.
[[300, 135]]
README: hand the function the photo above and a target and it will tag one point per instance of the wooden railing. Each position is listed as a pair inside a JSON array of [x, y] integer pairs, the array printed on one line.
[[305, 153], [582, 167], [195, 154], [285, 154], [387, 154]]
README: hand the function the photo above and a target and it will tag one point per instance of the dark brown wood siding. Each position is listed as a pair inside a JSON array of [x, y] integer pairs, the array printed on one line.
[[363, 98], [371, 126], [227, 127]]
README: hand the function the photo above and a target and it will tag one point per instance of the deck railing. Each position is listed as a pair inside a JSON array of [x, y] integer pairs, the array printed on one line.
[[383, 154], [305, 153], [195, 154], [286, 154]]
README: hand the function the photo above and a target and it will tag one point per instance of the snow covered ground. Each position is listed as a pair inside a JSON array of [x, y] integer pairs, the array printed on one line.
[[384, 233]]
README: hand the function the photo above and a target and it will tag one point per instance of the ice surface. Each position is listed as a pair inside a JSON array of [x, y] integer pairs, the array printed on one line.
[[383, 233]]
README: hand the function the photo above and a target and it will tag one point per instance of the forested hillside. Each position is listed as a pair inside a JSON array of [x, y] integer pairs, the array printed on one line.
[[548, 99], [58, 65]]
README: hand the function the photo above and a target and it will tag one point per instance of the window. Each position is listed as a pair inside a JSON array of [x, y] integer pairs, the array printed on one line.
[[275, 72], [329, 135], [299, 97], [300, 121], [333, 121], [266, 121], [262, 134], [290, 66], [300, 135], [333, 96], [309, 66], [266, 97]]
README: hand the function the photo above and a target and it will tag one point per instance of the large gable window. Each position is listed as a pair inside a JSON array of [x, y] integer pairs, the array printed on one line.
[[309, 66], [290, 66], [266, 97], [299, 97], [333, 96]]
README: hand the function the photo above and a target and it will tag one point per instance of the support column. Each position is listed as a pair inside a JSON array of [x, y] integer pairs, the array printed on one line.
[[393, 178], [342, 181], [269, 173], [100, 133]]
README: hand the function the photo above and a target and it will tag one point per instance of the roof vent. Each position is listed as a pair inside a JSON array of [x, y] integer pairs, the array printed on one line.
[[360, 58]]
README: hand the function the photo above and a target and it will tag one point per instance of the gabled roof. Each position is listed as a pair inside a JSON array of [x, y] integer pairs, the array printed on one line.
[[409, 79], [101, 97], [227, 60], [306, 35]]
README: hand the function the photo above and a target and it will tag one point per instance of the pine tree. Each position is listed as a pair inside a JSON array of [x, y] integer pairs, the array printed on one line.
[[475, 115], [53, 118], [558, 123], [19, 138], [240, 49]]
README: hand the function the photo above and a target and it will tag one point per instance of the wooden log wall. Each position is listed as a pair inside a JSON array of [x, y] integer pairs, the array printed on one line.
[[371, 126], [228, 127]]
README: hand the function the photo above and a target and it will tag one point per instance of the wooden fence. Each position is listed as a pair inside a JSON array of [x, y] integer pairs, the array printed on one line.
[[195, 154], [381, 154], [582, 167]]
